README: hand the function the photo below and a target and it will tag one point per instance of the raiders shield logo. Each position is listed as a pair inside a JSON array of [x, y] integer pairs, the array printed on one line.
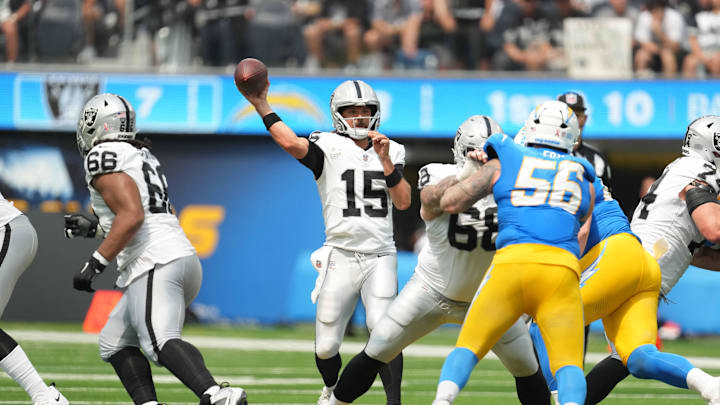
[[67, 93], [89, 116], [716, 141]]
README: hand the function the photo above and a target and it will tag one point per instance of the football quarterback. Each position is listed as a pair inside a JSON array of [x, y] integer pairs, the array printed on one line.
[[158, 270], [359, 175]]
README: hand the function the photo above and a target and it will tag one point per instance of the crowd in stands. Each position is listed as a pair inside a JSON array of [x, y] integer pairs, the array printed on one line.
[[670, 37]]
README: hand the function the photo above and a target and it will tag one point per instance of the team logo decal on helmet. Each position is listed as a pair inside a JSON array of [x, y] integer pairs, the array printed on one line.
[[90, 115], [716, 141]]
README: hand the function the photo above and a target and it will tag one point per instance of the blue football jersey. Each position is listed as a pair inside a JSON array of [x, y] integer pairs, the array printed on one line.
[[608, 218], [541, 194]]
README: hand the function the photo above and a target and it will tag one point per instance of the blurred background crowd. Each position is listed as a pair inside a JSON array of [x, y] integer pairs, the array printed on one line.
[[669, 37]]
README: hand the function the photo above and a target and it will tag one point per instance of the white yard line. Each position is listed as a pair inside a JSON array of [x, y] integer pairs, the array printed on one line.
[[291, 345]]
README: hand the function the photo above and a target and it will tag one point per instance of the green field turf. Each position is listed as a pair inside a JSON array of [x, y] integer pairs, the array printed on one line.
[[286, 377]]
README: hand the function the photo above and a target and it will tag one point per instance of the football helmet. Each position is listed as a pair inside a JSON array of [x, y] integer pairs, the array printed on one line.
[[472, 134], [105, 117], [702, 139], [354, 93], [554, 124]]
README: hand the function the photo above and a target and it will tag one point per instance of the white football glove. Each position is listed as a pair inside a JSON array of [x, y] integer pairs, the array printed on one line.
[[470, 167]]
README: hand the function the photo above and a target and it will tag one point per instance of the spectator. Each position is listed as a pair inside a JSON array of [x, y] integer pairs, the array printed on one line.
[[435, 39], [273, 32], [101, 19], [348, 16], [393, 20], [616, 8], [12, 14], [704, 39], [474, 44], [217, 25], [527, 42], [660, 32]]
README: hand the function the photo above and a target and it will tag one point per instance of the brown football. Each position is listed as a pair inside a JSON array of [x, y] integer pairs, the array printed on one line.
[[250, 75]]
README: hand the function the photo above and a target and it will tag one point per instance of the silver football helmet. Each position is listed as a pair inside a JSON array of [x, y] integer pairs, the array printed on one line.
[[105, 117], [472, 135], [702, 139], [354, 93], [554, 124]]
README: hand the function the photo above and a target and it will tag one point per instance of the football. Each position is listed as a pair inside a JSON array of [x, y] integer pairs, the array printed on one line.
[[250, 75]]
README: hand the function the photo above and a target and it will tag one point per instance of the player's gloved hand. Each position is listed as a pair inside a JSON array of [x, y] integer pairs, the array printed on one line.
[[80, 225], [471, 166], [82, 280]]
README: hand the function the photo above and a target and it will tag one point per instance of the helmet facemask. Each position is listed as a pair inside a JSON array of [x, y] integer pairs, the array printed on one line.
[[354, 93], [472, 135]]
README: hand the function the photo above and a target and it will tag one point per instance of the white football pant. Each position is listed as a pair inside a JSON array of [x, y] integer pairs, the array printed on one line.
[[18, 246], [350, 275], [419, 309], [152, 309]]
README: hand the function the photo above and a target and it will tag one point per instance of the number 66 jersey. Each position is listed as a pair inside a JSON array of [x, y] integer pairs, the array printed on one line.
[[460, 246], [160, 239]]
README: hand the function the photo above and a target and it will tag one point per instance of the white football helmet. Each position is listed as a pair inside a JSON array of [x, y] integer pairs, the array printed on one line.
[[105, 117], [472, 135], [554, 124], [702, 139], [354, 93]]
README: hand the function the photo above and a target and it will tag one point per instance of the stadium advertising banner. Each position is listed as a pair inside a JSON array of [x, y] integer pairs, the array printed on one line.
[[417, 107]]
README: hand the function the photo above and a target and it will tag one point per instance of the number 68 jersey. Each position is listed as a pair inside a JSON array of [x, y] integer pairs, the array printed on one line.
[[460, 246], [355, 199], [663, 223], [160, 239]]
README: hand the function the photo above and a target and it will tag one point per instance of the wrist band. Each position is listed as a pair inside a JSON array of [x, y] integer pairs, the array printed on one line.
[[393, 178], [270, 119], [100, 258]]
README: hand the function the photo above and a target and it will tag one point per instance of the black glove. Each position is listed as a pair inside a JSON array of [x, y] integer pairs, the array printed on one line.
[[82, 280], [80, 225]]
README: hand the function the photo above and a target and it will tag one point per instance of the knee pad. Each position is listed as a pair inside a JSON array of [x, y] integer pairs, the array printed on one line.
[[326, 348], [637, 362], [382, 342]]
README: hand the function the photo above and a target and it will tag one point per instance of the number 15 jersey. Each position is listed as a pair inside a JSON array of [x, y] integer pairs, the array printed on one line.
[[160, 239], [355, 199]]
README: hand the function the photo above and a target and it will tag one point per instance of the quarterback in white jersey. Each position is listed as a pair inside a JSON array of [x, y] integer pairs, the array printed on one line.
[[158, 269], [18, 246], [359, 177], [450, 268]]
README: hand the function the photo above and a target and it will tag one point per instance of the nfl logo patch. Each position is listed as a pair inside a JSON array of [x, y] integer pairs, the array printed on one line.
[[318, 263], [365, 157], [571, 98]]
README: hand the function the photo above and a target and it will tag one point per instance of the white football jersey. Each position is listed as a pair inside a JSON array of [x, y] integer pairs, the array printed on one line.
[[356, 202], [8, 212], [460, 246], [663, 223], [160, 239]]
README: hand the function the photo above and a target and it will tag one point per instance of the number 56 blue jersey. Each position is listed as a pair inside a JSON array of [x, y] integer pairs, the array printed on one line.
[[541, 194]]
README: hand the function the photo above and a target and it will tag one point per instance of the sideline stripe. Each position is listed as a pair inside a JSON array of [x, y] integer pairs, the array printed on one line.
[[290, 345]]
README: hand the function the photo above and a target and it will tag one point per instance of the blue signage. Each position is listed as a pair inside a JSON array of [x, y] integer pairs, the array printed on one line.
[[417, 107]]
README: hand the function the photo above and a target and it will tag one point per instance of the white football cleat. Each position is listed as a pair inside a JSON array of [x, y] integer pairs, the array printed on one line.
[[441, 402], [556, 399], [229, 396], [325, 396], [52, 397]]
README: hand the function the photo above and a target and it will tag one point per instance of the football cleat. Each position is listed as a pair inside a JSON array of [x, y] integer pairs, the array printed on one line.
[[52, 397], [441, 402], [325, 396], [226, 395]]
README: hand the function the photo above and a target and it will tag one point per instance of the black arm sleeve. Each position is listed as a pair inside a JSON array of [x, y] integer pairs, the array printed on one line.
[[314, 160]]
